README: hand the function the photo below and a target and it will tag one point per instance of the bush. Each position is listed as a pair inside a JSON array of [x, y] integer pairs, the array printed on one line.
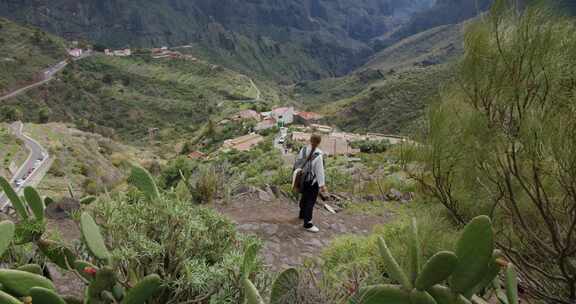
[[194, 249], [372, 146], [350, 258]]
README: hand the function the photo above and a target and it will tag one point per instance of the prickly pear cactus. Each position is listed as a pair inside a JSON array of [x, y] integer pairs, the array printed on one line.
[[470, 269], [7, 230], [141, 179], [93, 238]]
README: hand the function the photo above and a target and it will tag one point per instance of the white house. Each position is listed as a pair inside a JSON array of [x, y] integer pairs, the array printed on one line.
[[75, 52], [284, 116], [119, 53]]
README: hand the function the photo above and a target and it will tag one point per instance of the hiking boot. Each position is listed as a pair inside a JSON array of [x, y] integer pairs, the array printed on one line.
[[312, 229]]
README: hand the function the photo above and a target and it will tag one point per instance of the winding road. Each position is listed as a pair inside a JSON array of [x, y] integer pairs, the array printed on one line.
[[33, 168]]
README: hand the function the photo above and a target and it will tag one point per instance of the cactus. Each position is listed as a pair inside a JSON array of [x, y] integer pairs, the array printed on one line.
[[93, 238], [17, 203], [34, 202], [18, 283], [474, 251], [141, 179], [45, 296], [104, 281], [48, 201], [438, 268], [378, 294], [511, 284], [57, 253], [469, 270], [415, 252], [88, 200], [87, 270], [285, 287], [252, 294], [144, 290], [421, 297], [7, 230], [248, 261], [392, 266], [8, 299], [31, 268]]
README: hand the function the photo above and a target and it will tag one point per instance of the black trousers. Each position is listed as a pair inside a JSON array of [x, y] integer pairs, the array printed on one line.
[[307, 202]]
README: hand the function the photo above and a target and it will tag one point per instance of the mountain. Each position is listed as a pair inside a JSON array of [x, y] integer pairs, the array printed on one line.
[[279, 39]]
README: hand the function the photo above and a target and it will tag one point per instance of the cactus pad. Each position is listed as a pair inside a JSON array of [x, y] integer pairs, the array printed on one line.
[[8, 299], [511, 284], [7, 230], [18, 282], [285, 287], [421, 297], [93, 237], [378, 294], [57, 253], [34, 202], [141, 179], [31, 268], [252, 294], [144, 290], [392, 266], [474, 251], [438, 268], [45, 296], [14, 198]]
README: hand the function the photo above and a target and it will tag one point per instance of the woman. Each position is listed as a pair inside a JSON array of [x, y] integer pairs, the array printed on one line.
[[311, 160]]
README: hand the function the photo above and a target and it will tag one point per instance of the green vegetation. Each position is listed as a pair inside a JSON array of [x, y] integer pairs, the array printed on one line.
[[24, 52], [125, 97], [502, 142], [13, 150]]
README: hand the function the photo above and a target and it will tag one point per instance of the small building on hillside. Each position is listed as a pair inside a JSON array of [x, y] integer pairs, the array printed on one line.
[[247, 115], [330, 145], [75, 52], [118, 53], [243, 143], [307, 118], [266, 123], [321, 128], [284, 115]]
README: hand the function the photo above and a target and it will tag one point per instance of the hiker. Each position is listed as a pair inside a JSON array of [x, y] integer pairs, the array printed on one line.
[[311, 180]]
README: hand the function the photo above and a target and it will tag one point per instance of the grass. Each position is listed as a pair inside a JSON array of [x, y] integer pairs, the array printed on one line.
[[13, 150], [24, 52], [124, 97], [89, 162]]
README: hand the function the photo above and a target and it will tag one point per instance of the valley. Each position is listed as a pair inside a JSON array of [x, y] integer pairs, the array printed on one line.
[[147, 151]]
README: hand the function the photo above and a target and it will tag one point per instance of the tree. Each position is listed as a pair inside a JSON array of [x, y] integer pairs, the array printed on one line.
[[503, 141], [44, 115], [11, 113]]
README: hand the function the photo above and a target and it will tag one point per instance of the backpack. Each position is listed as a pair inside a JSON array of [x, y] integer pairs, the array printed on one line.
[[303, 171]]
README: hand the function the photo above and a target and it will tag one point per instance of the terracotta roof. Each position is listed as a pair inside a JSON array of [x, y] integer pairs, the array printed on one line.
[[281, 110], [248, 114]]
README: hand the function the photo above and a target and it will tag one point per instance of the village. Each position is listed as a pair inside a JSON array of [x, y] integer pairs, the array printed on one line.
[[294, 130]]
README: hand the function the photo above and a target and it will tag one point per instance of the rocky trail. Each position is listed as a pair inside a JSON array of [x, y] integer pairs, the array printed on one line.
[[286, 243]]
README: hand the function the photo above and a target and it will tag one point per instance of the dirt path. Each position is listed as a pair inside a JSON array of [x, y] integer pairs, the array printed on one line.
[[286, 243]]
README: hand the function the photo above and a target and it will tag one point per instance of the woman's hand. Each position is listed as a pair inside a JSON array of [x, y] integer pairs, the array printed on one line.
[[323, 189]]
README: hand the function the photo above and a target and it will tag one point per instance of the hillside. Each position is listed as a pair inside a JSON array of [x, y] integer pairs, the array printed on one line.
[[24, 52], [90, 162], [125, 97], [434, 46], [283, 40]]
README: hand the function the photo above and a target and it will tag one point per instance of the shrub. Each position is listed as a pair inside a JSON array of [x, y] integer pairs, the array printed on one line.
[[194, 249]]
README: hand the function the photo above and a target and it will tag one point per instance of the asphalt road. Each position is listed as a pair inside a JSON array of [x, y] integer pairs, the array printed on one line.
[[30, 170]]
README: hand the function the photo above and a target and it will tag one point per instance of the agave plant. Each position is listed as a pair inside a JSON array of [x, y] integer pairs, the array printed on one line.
[[471, 268]]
